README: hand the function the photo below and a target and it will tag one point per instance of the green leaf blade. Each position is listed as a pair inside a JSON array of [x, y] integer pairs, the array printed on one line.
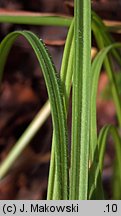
[[81, 101], [56, 101]]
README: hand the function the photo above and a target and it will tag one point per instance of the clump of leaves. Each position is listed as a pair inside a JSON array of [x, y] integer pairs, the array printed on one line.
[[75, 175]]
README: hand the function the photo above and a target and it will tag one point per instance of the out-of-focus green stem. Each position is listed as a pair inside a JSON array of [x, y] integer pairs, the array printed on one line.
[[25, 139], [34, 19]]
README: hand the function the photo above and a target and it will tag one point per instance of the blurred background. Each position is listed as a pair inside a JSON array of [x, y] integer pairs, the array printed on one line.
[[23, 93]]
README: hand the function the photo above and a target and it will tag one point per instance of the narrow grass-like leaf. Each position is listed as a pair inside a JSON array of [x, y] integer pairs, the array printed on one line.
[[49, 19], [96, 67], [66, 77], [57, 107], [31, 18], [67, 64], [52, 173], [104, 133], [95, 189], [116, 179], [81, 101], [99, 28], [103, 39], [114, 87]]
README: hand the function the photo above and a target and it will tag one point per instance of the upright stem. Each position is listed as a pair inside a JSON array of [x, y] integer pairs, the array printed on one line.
[[81, 100]]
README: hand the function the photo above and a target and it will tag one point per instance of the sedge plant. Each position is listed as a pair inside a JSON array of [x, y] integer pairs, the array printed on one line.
[[74, 175]]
